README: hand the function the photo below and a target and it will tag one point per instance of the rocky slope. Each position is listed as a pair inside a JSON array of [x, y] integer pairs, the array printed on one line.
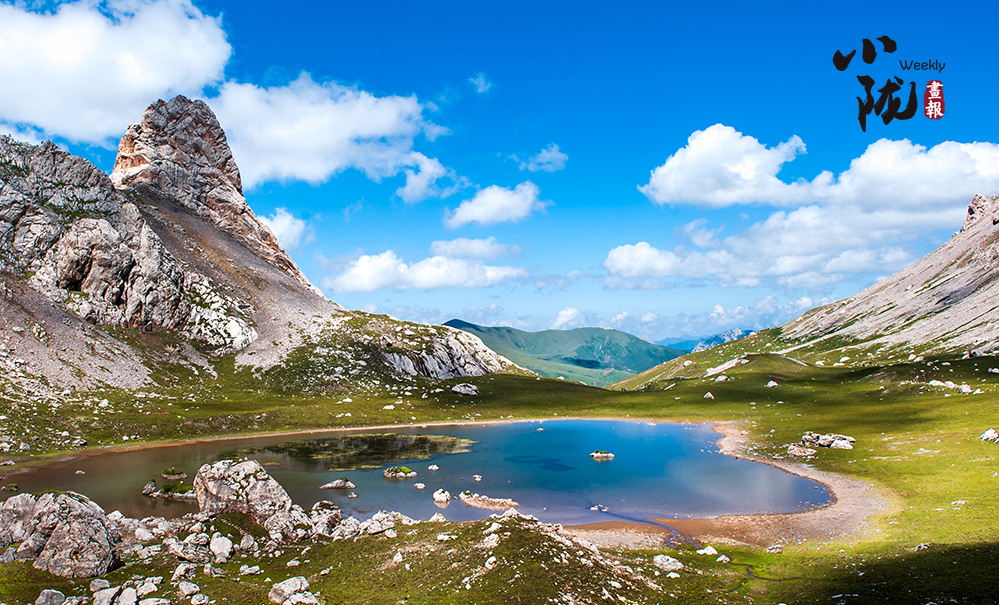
[[168, 247], [944, 303]]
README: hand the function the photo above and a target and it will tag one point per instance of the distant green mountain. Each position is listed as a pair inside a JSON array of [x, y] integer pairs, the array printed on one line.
[[589, 355]]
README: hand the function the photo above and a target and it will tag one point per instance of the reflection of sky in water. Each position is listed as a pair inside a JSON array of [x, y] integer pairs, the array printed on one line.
[[659, 470]]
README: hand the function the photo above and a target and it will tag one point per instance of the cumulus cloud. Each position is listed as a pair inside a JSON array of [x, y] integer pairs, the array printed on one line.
[[549, 159], [496, 204], [566, 318], [473, 248], [857, 223], [649, 317], [619, 318], [310, 131], [422, 183], [481, 83], [720, 166], [286, 228], [374, 272], [86, 70]]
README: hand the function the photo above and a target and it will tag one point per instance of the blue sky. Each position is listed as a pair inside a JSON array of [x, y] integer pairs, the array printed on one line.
[[667, 169]]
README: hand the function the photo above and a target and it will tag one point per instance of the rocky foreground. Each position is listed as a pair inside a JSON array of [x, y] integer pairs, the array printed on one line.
[[248, 527]]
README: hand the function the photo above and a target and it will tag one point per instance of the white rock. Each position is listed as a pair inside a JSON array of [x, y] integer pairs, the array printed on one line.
[[772, 384], [707, 550], [708, 395], [186, 589], [221, 547], [667, 563], [465, 389], [282, 590]]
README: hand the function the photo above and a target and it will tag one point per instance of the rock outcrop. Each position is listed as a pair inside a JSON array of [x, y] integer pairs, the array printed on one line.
[[179, 153], [86, 246], [169, 244], [65, 534]]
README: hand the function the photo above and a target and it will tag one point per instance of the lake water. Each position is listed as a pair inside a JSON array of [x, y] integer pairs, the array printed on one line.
[[659, 470]]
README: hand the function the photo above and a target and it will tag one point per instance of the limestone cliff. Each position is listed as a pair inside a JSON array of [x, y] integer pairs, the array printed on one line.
[[944, 302]]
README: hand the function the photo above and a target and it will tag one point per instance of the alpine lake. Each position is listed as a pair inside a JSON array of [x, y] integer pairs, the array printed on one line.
[[658, 471]]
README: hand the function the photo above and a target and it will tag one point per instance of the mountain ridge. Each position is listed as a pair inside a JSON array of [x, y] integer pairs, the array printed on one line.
[[590, 355], [168, 245]]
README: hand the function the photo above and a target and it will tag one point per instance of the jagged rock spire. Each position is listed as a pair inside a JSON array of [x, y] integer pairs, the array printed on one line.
[[179, 152]]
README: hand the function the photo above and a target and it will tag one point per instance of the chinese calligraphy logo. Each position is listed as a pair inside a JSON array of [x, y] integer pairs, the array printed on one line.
[[887, 106]]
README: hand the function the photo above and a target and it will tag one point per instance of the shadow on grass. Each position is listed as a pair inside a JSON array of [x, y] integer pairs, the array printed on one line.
[[940, 574]]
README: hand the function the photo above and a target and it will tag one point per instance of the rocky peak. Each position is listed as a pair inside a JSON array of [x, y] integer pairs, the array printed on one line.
[[981, 206], [179, 152]]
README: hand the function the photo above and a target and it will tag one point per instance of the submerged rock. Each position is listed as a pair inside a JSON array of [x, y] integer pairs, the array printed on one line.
[[341, 483]]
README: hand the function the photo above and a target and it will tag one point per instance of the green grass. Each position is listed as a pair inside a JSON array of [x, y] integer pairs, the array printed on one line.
[[918, 444]]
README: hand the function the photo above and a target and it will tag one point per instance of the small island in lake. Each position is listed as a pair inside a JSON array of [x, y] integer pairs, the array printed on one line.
[[398, 472], [601, 455]]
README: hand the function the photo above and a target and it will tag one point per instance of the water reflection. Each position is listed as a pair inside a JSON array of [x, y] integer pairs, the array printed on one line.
[[659, 471], [352, 452]]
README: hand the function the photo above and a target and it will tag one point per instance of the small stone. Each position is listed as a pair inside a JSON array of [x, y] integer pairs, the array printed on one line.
[[99, 584], [187, 589]]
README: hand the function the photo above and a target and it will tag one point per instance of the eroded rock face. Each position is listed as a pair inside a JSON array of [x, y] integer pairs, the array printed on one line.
[[244, 486], [67, 534], [179, 152], [86, 246]]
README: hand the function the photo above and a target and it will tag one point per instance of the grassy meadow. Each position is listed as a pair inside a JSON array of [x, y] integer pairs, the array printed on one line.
[[918, 444]]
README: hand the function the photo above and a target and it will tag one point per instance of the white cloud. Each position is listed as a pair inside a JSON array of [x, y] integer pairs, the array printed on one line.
[[481, 83], [619, 318], [422, 184], [496, 204], [649, 317], [87, 70], [566, 318], [374, 272], [472, 248], [858, 223], [549, 159], [286, 228], [310, 131], [720, 167]]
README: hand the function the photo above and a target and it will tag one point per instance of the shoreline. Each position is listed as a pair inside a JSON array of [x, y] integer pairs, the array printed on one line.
[[853, 501]]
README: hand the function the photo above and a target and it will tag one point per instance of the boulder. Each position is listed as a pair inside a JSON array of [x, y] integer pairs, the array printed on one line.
[[67, 533], [341, 483], [325, 516], [245, 487], [667, 563], [282, 590], [442, 496], [795, 449], [990, 435], [50, 597], [465, 389], [221, 548]]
